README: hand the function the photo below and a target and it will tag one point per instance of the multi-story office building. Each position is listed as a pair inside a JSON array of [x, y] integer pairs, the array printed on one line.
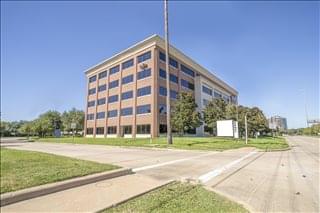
[[277, 122], [127, 92]]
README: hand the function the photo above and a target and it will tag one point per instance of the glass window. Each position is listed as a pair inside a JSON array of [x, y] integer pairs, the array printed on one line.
[[217, 94], [143, 74], [144, 57], [162, 109], [173, 94], [102, 88], [187, 71], [143, 129], [112, 113], [162, 56], [144, 91], [92, 79], [113, 84], [103, 74], [114, 70], [112, 130], [126, 95], [127, 79], [91, 103], [163, 92], [162, 128], [100, 131], [89, 131], [162, 73], [173, 62], [101, 101], [127, 64], [143, 109], [90, 116], [187, 84], [207, 90], [174, 78], [126, 111], [92, 91], [101, 115], [113, 98], [127, 130]]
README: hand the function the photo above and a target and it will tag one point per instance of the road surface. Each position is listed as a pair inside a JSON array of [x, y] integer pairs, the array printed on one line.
[[286, 181]]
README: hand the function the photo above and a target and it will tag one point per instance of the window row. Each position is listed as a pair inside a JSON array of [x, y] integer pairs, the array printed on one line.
[[175, 64], [142, 109], [141, 129], [163, 92], [124, 65], [125, 80]]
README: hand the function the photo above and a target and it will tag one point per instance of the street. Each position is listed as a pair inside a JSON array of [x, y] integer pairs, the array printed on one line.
[[283, 181]]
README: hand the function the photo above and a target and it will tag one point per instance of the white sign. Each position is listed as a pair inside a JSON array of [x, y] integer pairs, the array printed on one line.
[[73, 125], [227, 128]]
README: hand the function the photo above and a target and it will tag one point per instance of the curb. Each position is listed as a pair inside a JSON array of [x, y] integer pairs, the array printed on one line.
[[135, 196], [25, 194]]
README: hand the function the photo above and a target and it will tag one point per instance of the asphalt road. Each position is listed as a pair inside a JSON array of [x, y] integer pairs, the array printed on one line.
[[285, 181]]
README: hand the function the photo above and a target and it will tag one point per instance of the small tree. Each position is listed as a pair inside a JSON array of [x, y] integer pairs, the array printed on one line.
[[214, 111], [73, 116], [184, 115]]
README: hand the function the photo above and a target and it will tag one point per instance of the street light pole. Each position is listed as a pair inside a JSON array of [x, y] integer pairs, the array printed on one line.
[[169, 134], [246, 127]]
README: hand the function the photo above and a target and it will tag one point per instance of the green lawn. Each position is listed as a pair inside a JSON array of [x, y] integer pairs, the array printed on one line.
[[179, 197], [197, 143], [23, 169]]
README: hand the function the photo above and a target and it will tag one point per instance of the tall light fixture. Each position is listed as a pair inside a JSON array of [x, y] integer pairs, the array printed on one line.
[[166, 32]]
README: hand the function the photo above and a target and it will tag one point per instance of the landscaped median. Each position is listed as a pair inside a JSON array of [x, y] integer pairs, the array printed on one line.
[[26, 174], [195, 143], [179, 197]]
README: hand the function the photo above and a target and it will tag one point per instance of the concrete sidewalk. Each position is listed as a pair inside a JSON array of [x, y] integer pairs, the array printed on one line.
[[89, 198]]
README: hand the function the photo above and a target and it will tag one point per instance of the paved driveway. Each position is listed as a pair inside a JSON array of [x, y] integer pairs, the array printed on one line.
[[268, 182]]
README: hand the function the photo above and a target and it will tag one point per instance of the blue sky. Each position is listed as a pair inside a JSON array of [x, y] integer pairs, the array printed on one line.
[[268, 51]]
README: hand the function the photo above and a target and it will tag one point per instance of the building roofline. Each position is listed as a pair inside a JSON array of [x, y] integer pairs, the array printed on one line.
[[157, 40]]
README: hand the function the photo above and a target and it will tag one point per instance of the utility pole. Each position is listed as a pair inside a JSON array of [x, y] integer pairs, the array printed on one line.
[[166, 30], [246, 127]]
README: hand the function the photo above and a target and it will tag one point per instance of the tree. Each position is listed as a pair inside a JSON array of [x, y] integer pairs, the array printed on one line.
[[184, 115], [73, 116], [26, 129], [214, 111], [47, 123], [4, 128]]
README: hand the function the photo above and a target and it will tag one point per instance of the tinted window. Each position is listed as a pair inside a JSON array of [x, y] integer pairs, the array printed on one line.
[[173, 94], [143, 74], [92, 79], [91, 103], [103, 74], [162, 73], [144, 91], [112, 130], [89, 131], [162, 109], [126, 95], [92, 91], [187, 84], [114, 70], [112, 113], [127, 64], [100, 131], [127, 79], [173, 62], [90, 116], [113, 98], [144, 109], [162, 56], [113, 84], [127, 129], [207, 90], [102, 88], [101, 115], [101, 101], [173, 78], [126, 111], [163, 91], [186, 70], [144, 57], [217, 94], [143, 129]]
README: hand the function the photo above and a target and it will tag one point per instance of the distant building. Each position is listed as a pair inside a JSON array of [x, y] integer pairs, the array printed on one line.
[[278, 122]]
